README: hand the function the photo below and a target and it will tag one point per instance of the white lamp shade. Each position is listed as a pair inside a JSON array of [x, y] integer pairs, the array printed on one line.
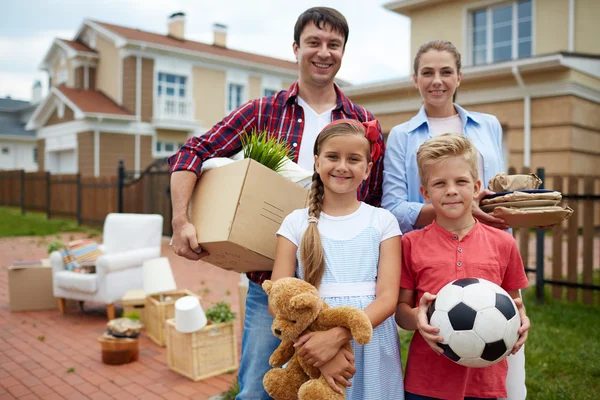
[[158, 277], [189, 315]]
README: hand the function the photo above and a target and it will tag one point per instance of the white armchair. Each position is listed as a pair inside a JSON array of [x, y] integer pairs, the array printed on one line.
[[128, 240]]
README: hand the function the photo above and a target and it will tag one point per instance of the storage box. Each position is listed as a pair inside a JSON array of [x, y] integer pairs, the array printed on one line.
[[134, 301], [157, 312], [207, 352], [237, 210], [30, 286]]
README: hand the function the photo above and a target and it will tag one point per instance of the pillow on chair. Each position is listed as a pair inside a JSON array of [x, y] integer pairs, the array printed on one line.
[[80, 256]]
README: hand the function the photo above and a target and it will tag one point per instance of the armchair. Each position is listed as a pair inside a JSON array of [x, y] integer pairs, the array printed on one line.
[[128, 240]]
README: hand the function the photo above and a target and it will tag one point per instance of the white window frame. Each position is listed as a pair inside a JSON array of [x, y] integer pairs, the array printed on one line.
[[163, 152], [269, 83], [489, 4], [236, 78], [176, 86]]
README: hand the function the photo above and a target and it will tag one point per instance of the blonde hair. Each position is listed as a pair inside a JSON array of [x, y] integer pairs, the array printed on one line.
[[443, 147], [311, 247]]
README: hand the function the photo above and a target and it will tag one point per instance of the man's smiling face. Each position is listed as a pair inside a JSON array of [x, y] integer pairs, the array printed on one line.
[[319, 54]]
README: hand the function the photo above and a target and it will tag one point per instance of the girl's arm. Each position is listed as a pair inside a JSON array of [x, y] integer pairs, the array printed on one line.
[[388, 282], [411, 318], [285, 261], [525, 323]]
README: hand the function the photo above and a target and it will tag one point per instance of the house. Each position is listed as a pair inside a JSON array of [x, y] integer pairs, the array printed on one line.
[[122, 93], [18, 148], [535, 64]]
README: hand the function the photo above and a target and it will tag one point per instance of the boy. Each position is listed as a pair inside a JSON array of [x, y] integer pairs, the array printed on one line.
[[454, 246]]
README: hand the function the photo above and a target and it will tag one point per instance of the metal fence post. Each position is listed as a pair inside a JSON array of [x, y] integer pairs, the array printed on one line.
[[539, 253], [22, 192], [78, 199], [48, 195], [120, 184]]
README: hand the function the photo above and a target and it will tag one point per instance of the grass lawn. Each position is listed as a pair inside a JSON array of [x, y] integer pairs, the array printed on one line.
[[36, 224], [562, 352]]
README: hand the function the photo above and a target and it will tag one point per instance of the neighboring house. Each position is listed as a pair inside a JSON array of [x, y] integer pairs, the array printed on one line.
[[535, 64], [18, 149], [122, 93]]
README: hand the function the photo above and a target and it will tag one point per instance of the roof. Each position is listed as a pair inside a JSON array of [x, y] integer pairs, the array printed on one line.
[[165, 40], [92, 101], [407, 6], [14, 128], [8, 104], [77, 46]]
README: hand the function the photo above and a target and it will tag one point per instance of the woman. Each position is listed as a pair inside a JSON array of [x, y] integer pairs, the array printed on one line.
[[437, 76]]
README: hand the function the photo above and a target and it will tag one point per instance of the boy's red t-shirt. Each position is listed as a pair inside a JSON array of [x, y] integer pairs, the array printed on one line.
[[433, 257]]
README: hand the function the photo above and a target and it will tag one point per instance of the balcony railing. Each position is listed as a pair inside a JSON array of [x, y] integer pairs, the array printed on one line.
[[174, 108]]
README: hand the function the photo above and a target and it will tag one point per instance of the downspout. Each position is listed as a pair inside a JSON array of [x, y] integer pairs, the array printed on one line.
[[527, 118], [97, 148], [571, 44]]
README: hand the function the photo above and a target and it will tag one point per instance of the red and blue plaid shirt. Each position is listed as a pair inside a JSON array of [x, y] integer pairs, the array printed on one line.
[[281, 116]]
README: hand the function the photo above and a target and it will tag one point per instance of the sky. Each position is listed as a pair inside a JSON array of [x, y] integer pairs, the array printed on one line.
[[378, 47]]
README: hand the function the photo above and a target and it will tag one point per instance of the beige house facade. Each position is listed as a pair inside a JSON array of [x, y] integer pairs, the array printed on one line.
[[121, 93], [535, 64]]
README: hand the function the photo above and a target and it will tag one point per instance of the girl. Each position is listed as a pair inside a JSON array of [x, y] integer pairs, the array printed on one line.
[[437, 76], [351, 252]]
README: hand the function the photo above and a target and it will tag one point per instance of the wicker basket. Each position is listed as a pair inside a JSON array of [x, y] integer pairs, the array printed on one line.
[[207, 352], [157, 312]]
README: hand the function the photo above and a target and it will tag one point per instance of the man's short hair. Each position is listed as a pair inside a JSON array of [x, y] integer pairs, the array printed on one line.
[[442, 147], [321, 16]]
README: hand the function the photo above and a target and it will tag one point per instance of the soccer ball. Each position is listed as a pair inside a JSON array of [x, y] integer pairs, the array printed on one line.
[[478, 321]]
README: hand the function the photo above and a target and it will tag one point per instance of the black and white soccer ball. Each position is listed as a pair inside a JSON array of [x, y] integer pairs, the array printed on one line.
[[478, 321]]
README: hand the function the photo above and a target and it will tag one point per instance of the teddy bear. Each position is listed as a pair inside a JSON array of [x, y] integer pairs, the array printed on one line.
[[299, 309]]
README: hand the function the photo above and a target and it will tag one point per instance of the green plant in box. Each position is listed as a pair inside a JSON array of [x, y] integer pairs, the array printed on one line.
[[55, 245], [220, 312], [269, 151], [134, 315]]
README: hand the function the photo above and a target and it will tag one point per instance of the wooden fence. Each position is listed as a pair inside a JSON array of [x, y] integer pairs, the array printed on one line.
[[87, 199], [574, 254]]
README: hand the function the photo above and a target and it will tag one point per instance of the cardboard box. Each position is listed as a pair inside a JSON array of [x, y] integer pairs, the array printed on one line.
[[30, 287], [237, 210]]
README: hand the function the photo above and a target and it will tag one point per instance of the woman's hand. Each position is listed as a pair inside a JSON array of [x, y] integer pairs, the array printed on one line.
[[339, 370], [317, 348], [429, 333], [483, 217], [525, 324]]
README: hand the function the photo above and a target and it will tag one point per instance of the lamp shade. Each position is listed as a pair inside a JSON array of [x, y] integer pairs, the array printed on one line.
[[189, 315], [158, 277]]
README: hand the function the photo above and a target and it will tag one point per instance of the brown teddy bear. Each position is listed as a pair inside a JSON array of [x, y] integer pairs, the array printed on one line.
[[298, 310]]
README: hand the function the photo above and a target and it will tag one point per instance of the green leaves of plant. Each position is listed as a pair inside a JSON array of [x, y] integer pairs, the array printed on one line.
[[268, 151], [220, 312]]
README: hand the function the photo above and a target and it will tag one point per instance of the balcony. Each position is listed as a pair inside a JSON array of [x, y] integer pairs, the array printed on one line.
[[174, 109]]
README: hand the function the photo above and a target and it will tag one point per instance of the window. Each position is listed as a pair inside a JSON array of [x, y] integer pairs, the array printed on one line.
[[502, 32], [269, 92], [166, 148], [234, 96], [35, 155], [171, 85], [5, 150]]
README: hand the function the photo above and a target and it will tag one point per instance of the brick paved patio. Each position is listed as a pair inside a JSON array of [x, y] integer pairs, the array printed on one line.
[[31, 368]]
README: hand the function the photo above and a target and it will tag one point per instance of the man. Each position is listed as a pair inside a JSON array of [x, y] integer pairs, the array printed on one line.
[[296, 115]]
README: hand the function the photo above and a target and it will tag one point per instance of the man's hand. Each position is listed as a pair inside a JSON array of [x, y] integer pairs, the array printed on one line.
[[429, 333], [524, 329], [483, 217], [184, 242], [339, 370], [317, 348]]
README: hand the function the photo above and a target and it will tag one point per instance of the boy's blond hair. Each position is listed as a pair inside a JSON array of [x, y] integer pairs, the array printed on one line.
[[442, 147]]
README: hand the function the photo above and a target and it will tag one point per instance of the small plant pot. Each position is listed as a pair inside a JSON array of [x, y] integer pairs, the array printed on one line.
[[118, 351]]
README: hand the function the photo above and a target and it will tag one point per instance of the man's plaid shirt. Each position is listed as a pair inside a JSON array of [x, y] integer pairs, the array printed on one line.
[[281, 116]]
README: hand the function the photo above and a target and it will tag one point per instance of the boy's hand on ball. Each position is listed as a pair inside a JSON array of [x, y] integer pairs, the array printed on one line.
[[525, 324], [429, 333]]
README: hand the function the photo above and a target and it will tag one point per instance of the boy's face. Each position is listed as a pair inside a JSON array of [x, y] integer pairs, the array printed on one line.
[[319, 54], [450, 188]]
